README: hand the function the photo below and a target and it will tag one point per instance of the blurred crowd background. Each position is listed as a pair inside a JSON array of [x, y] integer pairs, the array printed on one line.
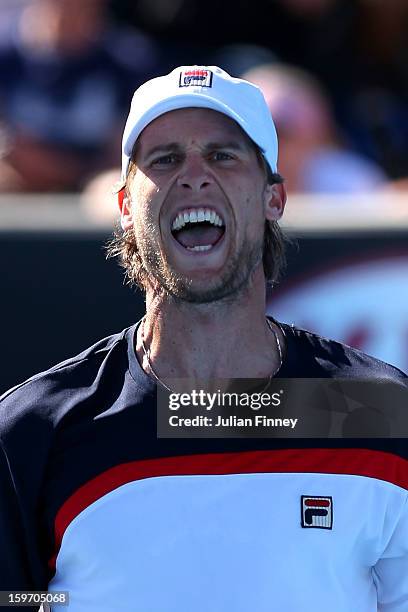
[[335, 76], [334, 72]]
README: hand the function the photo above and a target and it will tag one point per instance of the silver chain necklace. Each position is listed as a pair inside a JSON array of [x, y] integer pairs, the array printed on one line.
[[146, 353]]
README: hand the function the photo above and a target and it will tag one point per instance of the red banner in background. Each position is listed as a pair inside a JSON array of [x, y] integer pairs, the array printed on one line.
[[361, 301]]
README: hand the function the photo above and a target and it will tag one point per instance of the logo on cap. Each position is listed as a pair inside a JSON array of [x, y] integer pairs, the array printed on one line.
[[317, 512], [189, 78]]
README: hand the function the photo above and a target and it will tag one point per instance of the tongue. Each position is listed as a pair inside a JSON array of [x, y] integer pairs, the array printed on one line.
[[199, 235]]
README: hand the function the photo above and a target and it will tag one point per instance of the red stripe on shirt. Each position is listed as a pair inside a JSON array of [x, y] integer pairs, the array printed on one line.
[[358, 462]]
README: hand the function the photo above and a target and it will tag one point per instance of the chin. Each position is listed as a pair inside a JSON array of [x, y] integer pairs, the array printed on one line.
[[205, 291], [197, 292], [211, 284]]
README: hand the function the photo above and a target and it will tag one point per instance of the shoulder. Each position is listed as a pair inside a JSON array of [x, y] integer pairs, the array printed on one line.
[[330, 358], [45, 398]]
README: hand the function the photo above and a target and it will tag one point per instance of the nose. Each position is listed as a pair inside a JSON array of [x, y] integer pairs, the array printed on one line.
[[194, 174]]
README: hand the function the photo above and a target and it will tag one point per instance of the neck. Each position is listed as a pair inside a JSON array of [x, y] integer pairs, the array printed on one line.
[[222, 340]]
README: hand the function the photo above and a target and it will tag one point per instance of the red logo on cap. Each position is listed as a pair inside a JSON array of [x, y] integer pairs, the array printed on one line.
[[196, 73], [197, 77]]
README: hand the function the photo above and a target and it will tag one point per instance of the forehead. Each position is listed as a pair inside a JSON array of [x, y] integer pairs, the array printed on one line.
[[192, 124]]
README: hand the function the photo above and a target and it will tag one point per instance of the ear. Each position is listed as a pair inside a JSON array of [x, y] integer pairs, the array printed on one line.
[[274, 202], [125, 207]]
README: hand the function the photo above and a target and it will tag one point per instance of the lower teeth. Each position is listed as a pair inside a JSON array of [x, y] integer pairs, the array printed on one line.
[[204, 247]]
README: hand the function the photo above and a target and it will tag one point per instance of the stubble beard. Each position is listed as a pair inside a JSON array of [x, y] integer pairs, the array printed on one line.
[[234, 280]]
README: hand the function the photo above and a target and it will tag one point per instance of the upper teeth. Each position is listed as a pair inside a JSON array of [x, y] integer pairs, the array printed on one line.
[[195, 216]]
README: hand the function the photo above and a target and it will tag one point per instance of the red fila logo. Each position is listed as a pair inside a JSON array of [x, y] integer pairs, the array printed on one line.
[[196, 73], [189, 78], [317, 512]]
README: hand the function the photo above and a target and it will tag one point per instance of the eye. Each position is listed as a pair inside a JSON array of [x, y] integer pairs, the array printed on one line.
[[164, 160], [221, 156]]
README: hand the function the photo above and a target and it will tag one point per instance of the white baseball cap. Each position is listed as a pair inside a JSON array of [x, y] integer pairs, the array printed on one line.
[[202, 87]]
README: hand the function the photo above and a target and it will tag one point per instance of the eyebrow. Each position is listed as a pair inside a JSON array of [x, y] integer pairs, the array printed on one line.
[[231, 144], [210, 146], [162, 148]]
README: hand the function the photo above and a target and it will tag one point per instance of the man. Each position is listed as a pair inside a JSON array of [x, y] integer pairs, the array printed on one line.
[[94, 503]]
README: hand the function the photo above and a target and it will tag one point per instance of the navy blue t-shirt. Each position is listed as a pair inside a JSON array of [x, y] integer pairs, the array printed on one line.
[[93, 502]]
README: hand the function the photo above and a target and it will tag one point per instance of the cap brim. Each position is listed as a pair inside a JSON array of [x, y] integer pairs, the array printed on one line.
[[176, 102]]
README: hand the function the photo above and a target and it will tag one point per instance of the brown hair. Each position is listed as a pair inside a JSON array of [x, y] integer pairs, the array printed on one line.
[[123, 244]]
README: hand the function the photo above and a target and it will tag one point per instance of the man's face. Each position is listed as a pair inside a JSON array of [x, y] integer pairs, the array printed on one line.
[[198, 200]]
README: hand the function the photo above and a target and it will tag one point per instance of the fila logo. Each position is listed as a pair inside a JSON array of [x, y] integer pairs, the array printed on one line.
[[317, 512], [192, 78]]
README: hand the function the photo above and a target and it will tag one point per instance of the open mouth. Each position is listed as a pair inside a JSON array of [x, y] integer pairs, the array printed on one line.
[[198, 229]]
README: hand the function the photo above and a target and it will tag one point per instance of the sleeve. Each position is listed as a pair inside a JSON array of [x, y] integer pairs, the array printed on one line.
[[391, 571], [15, 571]]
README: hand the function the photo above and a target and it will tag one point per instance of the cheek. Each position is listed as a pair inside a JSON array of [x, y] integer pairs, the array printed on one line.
[[147, 224], [253, 204], [146, 207], [143, 223], [144, 191]]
